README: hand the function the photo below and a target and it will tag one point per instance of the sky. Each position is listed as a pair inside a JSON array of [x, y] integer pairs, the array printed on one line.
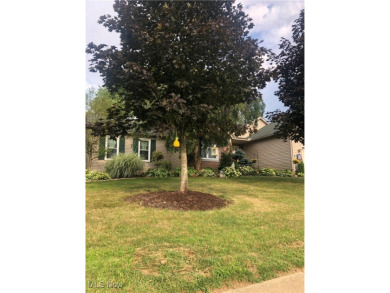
[[272, 19]]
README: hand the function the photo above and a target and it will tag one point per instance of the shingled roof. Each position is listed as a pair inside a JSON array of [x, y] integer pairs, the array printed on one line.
[[264, 132]]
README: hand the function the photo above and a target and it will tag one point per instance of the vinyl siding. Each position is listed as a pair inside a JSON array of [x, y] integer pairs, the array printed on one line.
[[98, 165], [270, 153]]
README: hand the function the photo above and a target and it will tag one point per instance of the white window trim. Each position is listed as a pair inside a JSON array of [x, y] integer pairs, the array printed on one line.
[[106, 147], [211, 159], [149, 149]]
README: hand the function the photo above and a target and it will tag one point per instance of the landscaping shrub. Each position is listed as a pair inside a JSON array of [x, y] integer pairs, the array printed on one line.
[[247, 170], [191, 172], [157, 158], [287, 173], [165, 165], [267, 172], [245, 162], [301, 175], [159, 173], [278, 173], [92, 175], [226, 161], [301, 167], [231, 172], [207, 172], [124, 166], [238, 155]]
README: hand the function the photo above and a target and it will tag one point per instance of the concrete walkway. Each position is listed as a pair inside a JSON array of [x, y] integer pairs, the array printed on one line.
[[288, 284]]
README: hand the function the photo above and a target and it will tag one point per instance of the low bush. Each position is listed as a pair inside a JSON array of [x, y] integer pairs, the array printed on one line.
[[301, 167], [157, 158], [231, 172], [247, 170], [191, 172], [165, 165], [245, 162], [159, 173], [124, 166], [238, 155], [278, 173], [267, 172], [226, 161], [287, 173], [301, 175], [207, 172], [92, 175]]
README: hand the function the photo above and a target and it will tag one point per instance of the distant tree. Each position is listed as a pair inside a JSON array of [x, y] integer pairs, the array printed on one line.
[[182, 67], [289, 73], [96, 105]]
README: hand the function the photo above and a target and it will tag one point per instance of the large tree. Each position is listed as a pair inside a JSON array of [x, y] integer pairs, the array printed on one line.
[[97, 104], [182, 67], [290, 74]]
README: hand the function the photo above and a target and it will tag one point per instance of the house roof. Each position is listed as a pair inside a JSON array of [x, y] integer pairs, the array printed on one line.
[[264, 132]]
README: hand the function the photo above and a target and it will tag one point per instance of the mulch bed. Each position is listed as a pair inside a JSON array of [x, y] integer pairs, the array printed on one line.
[[174, 200]]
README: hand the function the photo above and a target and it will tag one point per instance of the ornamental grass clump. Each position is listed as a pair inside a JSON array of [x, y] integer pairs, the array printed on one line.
[[124, 166]]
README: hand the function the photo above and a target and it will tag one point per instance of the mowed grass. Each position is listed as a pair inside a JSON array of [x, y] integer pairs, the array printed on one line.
[[153, 250]]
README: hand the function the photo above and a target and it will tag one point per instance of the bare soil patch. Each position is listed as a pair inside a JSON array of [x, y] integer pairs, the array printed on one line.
[[175, 200]]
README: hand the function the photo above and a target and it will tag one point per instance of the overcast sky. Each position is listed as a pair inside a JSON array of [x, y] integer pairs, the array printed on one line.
[[272, 19]]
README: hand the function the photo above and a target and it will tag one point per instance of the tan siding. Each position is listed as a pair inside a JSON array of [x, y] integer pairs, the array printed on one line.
[[270, 153], [298, 148], [98, 165]]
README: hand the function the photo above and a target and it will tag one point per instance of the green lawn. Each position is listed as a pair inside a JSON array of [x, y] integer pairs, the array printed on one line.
[[154, 250]]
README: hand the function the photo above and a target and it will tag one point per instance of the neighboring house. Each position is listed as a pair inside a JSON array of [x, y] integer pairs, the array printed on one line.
[[263, 146]]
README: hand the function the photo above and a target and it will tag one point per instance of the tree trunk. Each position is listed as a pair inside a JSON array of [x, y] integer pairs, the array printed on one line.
[[183, 160], [197, 158]]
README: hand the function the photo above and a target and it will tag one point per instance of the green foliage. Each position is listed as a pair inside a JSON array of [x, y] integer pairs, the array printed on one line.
[[231, 172], [267, 172], [287, 173], [226, 160], [157, 157], [245, 162], [207, 172], [238, 155], [203, 47], [93, 175], [247, 170], [191, 172], [165, 165], [290, 75], [278, 173], [159, 173], [124, 165], [301, 167], [301, 174]]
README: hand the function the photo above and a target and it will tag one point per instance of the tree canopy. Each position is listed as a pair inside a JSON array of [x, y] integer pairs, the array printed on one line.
[[290, 74], [182, 67]]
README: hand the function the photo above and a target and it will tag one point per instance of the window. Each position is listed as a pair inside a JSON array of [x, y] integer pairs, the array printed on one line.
[[112, 147], [209, 153], [144, 149]]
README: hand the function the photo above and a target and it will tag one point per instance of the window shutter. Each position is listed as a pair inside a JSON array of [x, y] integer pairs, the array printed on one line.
[[152, 147], [102, 146], [135, 145], [122, 144]]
